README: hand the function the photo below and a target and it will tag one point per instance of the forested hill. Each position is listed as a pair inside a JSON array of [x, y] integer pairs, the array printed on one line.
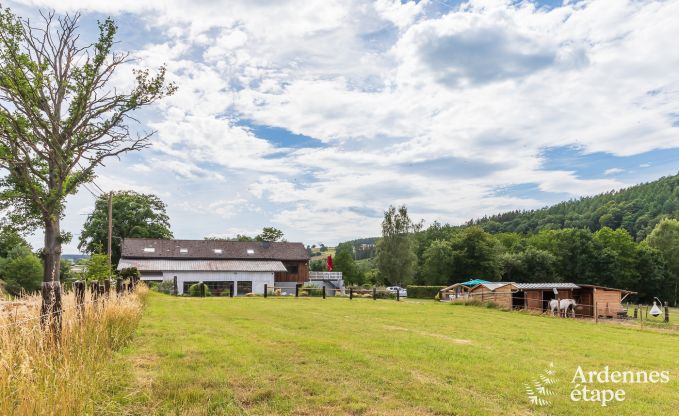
[[637, 209]]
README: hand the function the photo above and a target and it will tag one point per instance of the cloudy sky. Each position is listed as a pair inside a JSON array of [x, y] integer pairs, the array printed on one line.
[[315, 116]]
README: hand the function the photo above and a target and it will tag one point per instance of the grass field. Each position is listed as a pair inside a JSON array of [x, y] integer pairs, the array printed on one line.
[[312, 356]]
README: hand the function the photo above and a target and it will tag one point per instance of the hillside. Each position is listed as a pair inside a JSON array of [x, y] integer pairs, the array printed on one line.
[[636, 209]]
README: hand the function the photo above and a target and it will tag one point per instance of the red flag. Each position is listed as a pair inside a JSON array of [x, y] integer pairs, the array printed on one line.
[[329, 263]]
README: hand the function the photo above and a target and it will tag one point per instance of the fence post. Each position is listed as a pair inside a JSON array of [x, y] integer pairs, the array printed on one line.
[[107, 288], [266, 289], [296, 290], [398, 295], [202, 290], [351, 293], [635, 312], [374, 293], [175, 290], [79, 287], [596, 312], [667, 312], [119, 286], [323, 292]]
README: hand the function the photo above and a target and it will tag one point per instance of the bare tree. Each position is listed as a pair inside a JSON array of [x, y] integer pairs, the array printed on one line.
[[60, 118]]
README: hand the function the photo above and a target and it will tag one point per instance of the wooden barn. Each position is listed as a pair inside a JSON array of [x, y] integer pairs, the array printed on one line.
[[591, 300]]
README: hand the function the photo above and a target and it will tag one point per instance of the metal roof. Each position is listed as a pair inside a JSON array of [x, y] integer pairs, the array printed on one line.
[[202, 265], [546, 286], [150, 248], [495, 285]]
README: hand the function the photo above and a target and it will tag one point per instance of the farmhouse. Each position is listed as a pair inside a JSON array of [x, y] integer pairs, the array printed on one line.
[[591, 300], [240, 267]]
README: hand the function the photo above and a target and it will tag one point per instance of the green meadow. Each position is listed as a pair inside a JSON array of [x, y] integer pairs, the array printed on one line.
[[309, 356]]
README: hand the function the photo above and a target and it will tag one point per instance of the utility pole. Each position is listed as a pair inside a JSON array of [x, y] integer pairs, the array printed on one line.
[[110, 231]]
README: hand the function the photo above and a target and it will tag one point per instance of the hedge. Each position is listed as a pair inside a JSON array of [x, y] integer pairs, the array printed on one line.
[[423, 292]]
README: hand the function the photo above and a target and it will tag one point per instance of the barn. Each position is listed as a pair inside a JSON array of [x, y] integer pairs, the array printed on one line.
[[591, 300], [240, 267]]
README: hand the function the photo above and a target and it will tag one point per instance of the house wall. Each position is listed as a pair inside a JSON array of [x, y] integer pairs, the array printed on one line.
[[501, 296], [607, 302], [301, 276], [258, 279], [534, 300]]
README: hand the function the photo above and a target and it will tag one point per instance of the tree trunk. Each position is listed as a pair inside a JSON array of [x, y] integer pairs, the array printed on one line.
[[51, 286]]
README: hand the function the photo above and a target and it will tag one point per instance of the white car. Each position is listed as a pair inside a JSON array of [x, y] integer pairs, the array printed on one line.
[[401, 291]]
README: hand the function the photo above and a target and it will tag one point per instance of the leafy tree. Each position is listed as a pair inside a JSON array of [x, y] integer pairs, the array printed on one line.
[[476, 255], [396, 258], [97, 267], [134, 215], [651, 271], [530, 265], [60, 118], [21, 270], [665, 238], [10, 239], [270, 234], [344, 262], [318, 265], [438, 263]]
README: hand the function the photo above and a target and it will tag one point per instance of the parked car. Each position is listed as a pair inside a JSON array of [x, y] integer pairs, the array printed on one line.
[[401, 291]]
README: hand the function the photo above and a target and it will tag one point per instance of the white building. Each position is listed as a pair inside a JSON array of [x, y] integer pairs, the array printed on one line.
[[240, 267]]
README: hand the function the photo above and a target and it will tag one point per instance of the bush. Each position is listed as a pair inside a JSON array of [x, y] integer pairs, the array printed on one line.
[[385, 295], [423, 292], [166, 286], [195, 290]]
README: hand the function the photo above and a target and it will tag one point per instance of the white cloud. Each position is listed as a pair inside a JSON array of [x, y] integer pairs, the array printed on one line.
[[613, 171], [414, 103]]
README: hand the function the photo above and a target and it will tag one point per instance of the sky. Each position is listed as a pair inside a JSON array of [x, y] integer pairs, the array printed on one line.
[[315, 116]]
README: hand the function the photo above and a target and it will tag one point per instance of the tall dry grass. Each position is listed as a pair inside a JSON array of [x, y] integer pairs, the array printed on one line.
[[39, 377]]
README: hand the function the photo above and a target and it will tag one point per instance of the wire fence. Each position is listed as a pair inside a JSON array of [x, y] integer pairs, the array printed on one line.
[[97, 292], [324, 292]]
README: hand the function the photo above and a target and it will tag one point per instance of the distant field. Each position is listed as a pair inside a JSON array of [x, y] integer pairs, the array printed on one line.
[[325, 357], [317, 254]]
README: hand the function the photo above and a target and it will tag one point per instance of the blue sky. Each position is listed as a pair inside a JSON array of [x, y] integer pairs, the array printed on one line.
[[315, 116]]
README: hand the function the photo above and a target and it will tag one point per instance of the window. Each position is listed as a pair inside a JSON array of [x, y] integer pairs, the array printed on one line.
[[251, 251], [243, 288], [149, 250], [292, 268], [218, 251], [183, 250]]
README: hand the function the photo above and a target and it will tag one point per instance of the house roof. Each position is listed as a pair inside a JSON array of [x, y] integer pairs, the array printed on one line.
[[212, 249], [546, 286], [203, 265]]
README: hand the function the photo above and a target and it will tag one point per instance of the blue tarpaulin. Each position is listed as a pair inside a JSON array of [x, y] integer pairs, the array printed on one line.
[[474, 282]]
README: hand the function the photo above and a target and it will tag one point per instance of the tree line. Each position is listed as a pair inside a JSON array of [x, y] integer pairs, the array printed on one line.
[[637, 209], [445, 254]]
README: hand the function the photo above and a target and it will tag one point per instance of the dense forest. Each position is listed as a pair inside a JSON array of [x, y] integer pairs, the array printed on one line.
[[627, 239], [636, 209]]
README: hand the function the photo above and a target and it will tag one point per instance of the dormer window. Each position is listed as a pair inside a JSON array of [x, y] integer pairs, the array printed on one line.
[[251, 251], [149, 249], [183, 250], [218, 251]]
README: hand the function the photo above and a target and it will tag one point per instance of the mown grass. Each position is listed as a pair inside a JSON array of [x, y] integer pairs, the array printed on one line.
[[312, 356]]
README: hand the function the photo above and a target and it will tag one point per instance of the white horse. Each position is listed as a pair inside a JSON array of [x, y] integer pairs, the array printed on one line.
[[563, 305]]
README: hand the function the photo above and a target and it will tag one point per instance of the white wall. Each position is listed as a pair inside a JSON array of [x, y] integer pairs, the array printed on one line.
[[258, 279]]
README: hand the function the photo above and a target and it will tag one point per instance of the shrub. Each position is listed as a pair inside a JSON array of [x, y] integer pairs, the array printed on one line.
[[423, 292], [385, 295], [195, 290], [165, 286]]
